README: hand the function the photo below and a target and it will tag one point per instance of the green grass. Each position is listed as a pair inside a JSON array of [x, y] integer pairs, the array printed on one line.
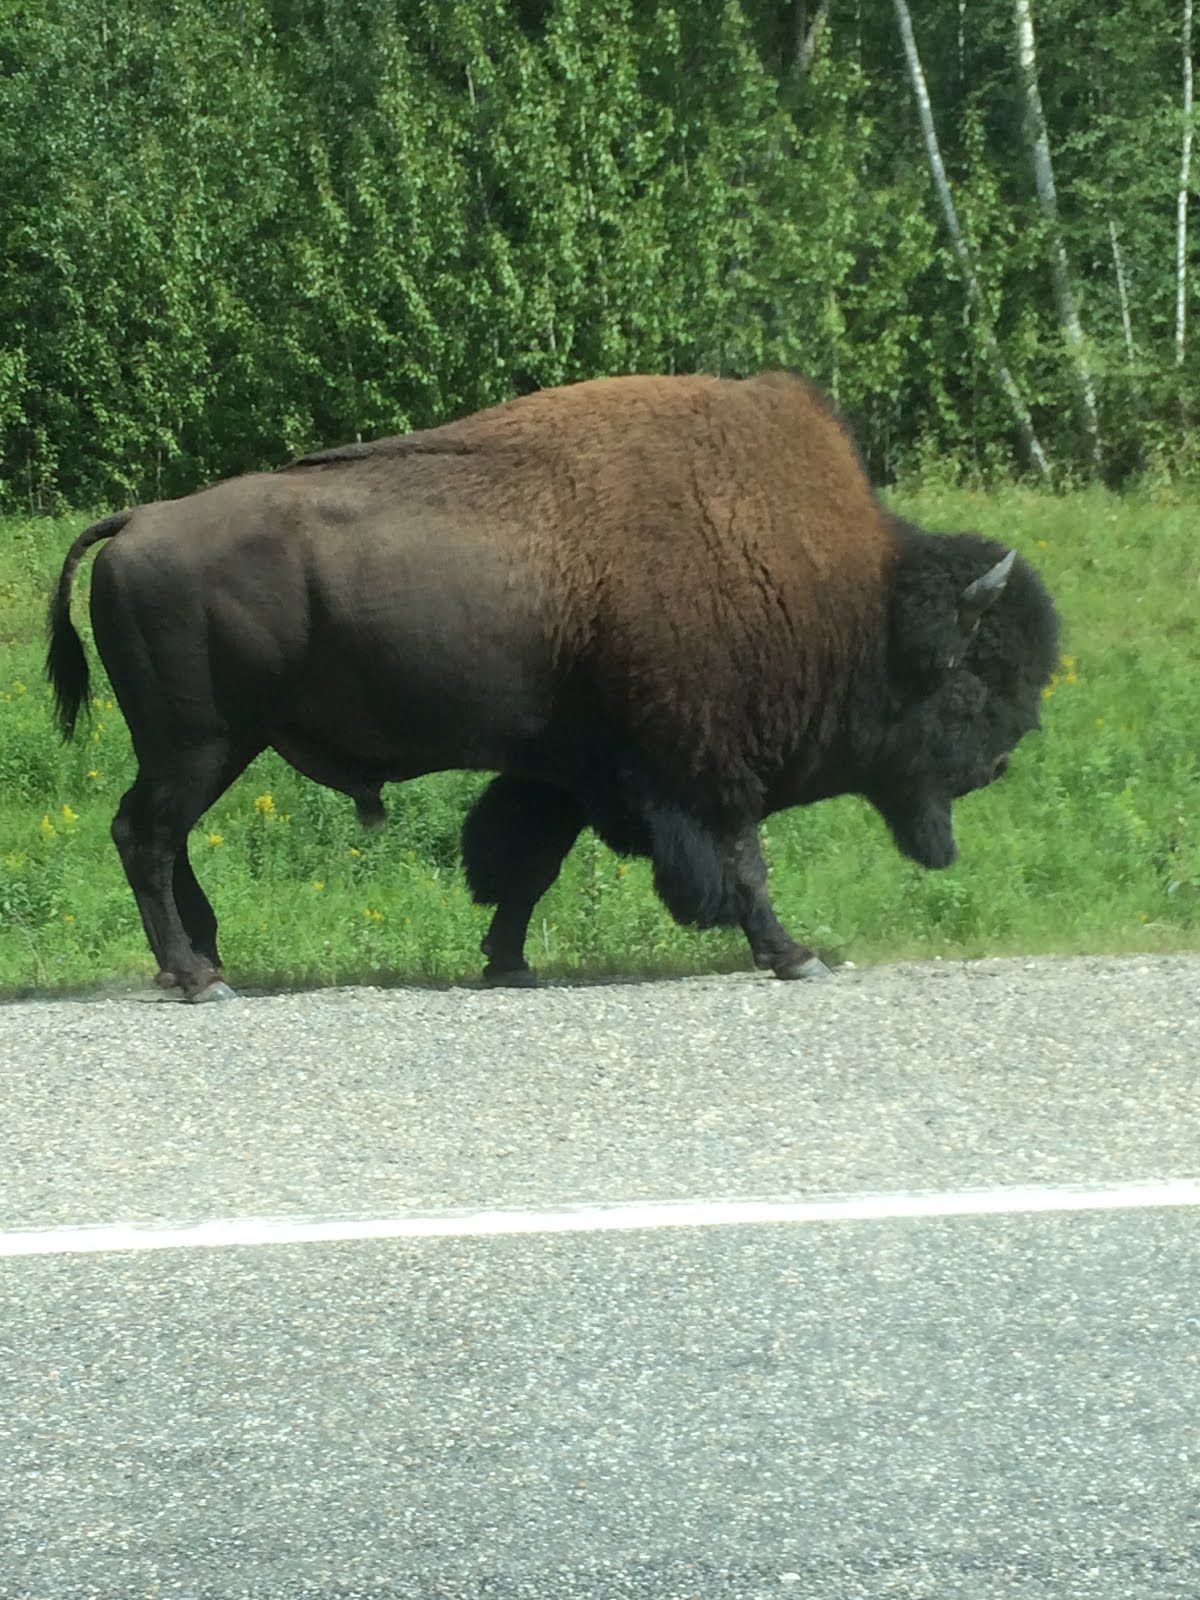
[[1091, 844]]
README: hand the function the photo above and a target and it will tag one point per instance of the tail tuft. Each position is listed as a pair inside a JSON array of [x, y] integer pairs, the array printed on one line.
[[66, 666], [66, 663]]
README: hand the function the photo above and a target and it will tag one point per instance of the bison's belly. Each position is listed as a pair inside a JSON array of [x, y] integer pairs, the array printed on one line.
[[393, 713]]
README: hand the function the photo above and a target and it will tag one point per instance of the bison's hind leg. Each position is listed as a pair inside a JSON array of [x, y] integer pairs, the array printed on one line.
[[199, 918], [170, 793], [514, 841]]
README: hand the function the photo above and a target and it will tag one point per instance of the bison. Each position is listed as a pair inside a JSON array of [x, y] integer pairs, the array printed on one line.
[[659, 607]]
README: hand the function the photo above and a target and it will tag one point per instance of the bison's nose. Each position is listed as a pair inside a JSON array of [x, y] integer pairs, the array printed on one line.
[[1000, 768]]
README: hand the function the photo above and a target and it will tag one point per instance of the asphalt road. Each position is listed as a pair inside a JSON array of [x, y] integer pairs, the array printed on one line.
[[990, 1406]]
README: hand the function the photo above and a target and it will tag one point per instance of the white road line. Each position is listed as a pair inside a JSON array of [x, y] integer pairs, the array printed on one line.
[[621, 1216]]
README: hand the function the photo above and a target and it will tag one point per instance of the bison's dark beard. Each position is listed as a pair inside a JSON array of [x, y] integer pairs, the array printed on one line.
[[921, 827]]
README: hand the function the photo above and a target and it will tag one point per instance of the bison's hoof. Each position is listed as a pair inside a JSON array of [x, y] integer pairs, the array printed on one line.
[[217, 990], [809, 967], [509, 977]]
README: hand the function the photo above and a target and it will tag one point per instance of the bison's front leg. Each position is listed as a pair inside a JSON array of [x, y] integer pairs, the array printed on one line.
[[514, 841], [711, 878], [771, 944]]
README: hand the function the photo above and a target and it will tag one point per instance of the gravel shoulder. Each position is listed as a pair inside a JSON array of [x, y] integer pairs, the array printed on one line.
[[364, 1101]]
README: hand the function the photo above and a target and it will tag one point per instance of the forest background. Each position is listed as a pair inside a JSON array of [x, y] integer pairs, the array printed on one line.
[[234, 231]]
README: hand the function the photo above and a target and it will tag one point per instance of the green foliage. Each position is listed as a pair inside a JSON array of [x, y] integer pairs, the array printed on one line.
[[235, 230], [1091, 843]]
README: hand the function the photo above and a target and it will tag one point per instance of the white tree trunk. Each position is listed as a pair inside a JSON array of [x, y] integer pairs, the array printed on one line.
[[1122, 292], [1185, 171], [937, 170], [1119, 261], [808, 35], [1043, 177]]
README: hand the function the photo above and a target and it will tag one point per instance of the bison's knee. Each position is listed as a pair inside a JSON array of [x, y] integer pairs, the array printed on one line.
[[125, 835]]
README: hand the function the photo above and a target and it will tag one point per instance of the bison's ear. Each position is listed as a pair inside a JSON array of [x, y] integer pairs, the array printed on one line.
[[978, 596]]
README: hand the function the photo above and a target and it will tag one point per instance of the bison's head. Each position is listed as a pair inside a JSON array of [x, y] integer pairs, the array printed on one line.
[[973, 640]]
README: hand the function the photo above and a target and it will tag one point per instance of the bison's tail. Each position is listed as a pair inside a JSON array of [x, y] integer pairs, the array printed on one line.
[[66, 664]]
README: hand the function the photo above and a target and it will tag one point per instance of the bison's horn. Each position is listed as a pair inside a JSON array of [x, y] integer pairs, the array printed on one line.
[[978, 596]]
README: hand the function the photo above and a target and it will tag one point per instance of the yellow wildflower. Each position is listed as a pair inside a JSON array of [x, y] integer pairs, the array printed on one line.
[[264, 804], [68, 815], [68, 916], [318, 883], [372, 915], [92, 773], [354, 850], [215, 839], [48, 829]]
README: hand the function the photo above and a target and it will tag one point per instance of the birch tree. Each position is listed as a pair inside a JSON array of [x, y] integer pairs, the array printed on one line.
[[962, 250], [1122, 294], [1043, 176], [808, 34], [1118, 255], [1185, 169]]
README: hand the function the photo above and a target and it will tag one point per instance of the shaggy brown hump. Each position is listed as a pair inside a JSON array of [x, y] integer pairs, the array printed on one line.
[[717, 551]]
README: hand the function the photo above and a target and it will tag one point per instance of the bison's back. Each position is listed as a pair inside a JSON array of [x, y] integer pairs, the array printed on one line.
[[404, 626]]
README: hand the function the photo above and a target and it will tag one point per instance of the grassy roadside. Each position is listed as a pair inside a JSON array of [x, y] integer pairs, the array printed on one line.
[[1091, 844]]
